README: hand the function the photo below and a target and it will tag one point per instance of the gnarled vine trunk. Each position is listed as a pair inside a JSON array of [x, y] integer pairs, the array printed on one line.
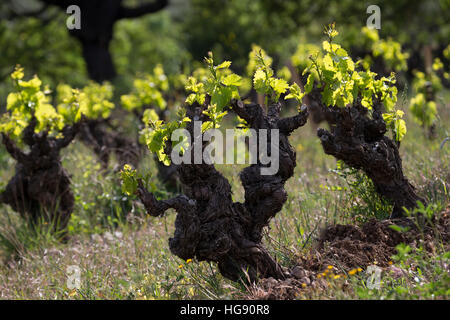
[[211, 227], [360, 141], [40, 189], [104, 142]]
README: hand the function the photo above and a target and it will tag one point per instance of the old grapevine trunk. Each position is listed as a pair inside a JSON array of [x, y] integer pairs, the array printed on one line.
[[105, 142], [360, 141], [209, 225], [40, 189]]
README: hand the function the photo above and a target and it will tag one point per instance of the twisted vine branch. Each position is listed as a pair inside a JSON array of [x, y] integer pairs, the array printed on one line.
[[211, 227]]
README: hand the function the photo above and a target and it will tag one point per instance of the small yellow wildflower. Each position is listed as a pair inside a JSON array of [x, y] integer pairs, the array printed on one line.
[[336, 277], [359, 269], [352, 272], [180, 266], [330, 267], [188, 260], [390, 263], [72, 292], [303, 285]]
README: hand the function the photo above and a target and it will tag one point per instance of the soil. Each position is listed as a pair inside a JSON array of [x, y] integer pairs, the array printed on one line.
[[347, 247]]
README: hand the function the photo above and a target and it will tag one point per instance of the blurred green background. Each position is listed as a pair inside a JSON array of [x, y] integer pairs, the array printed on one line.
[[186, 30]]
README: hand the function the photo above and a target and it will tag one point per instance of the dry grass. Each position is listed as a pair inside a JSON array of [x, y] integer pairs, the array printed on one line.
[[129, 258]]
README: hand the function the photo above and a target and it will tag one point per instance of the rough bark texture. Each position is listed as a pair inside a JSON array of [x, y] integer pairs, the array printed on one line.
[[40, 188], [361, 143], [104, 142], [209, 225]]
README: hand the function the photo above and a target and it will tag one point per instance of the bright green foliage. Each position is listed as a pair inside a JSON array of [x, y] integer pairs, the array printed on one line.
[[148, 91], [425, 85], [301, 58], [69, 108], [29, 100], [264, 81], [201, 73], [157, 133], [422, 81], [41, 46], [198, 91], [94, 101], [284, 73], [149, 116], [392, 54], [148, 41], [129, 178], [242, 125], [447, 52], [370, 36], [437, 64], [396, 124], [424, 111], [215, 117], [389, 50], [221, 85], [254, 58], [295, 92], [342, 83]]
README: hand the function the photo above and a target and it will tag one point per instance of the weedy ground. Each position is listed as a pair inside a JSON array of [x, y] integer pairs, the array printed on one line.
[[123, 254]]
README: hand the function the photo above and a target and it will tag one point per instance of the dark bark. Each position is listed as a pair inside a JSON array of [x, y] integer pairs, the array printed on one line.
[[40, 189], [360, 141], [104, 142], [318, 112], [211, 227]]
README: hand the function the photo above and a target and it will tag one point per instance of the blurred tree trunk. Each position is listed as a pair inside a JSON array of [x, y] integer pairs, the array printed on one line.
[[97, 23]]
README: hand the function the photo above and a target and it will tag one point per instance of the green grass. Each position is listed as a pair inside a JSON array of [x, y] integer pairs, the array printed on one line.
[[124, 254]]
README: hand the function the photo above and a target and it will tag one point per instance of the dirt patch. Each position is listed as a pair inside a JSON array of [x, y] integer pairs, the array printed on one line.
[[347, 247]]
